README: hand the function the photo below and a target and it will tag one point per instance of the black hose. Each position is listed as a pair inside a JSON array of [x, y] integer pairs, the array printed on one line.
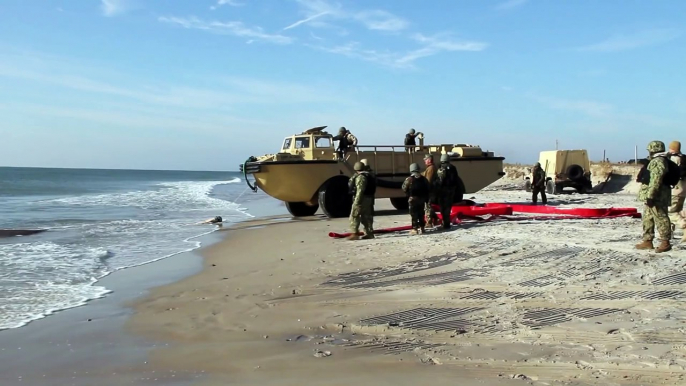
[[245, 173]]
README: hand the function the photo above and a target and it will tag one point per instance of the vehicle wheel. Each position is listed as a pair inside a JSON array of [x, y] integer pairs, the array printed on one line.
[[575, 172], [400, 203], [300, 209], [334, 198], [550, 187]]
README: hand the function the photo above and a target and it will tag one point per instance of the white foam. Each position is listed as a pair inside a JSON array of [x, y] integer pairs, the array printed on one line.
[[37, 279]]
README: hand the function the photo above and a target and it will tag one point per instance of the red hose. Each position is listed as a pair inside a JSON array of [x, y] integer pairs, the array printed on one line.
[[504, 211]]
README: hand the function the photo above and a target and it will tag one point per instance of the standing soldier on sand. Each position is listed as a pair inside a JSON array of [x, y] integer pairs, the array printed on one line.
[[416, 188], [676, 209], [656, 195], [372, 175], [363, 199], [538, 184], [430, 175], [446, 181]]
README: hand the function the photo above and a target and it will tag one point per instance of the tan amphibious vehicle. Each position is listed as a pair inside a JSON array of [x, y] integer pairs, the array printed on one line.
[[307, 174]]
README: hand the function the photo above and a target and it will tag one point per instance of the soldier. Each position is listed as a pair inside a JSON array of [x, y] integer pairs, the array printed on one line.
[[656, 197], [538, 184], [446, 184], [346, 142], [409, 138], [678, 192], [430, 175], [372, 175], [416, 188], [364, 189]]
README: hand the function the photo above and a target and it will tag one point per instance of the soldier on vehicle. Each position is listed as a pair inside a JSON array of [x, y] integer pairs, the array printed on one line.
[[430, 175], [346, 142], [410, 138], [655, 193], [364, 189], [538, 184], [446, 185], [676, 208], [416, 188]]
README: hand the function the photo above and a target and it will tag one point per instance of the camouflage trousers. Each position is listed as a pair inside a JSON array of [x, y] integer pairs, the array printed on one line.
[[363, 214], [429, 211], [656, 217], [445, 201], [417, 212]]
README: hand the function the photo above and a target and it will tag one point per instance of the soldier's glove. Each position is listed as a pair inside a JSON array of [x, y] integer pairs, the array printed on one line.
[[650, 203]]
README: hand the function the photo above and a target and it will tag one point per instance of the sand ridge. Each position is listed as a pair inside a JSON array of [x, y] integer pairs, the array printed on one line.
[[539, 302]]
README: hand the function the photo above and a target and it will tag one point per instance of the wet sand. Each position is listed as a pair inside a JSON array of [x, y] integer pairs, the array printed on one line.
[[541, 302]]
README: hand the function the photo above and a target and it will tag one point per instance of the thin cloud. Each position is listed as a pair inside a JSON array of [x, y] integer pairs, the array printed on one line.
[[232, 3], [640, 39], [510, 4], [235, 28], [378, 20], [303, 21], [112, 8], [381, 20], [431, 45]]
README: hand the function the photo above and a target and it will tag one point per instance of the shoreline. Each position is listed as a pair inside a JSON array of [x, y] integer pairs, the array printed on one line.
[[70, 343]]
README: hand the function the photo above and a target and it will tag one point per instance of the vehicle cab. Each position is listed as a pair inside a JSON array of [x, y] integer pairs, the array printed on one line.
[[312, 144]]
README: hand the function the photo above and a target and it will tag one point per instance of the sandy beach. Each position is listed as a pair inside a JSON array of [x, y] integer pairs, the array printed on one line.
[[538, 302]]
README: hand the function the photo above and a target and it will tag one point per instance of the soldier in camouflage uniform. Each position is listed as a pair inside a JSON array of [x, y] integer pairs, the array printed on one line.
[[364, 189], [447, 180], [416, 188], [371, 173], [657, 197], [430, 175]]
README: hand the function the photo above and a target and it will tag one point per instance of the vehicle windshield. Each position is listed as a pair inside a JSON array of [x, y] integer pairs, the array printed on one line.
[[286, 144], [322, 142], [302, 142]]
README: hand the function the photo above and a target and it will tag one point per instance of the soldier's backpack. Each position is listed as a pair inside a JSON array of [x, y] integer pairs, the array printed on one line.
[[447, 176], [673, 173], [352, 140], [419, 187]]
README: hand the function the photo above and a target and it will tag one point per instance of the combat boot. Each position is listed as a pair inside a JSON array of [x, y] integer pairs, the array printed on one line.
[[413, 232], [663, 247], [353, 236], [646, 244], [368, 236]]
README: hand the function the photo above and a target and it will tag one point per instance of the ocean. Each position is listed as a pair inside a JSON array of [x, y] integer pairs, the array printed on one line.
[[99, 222]]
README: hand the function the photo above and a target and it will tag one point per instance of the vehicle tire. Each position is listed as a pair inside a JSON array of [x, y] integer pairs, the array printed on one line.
[[550, 187], [400, 203], [575, 172], [334, 198], [300, 209]]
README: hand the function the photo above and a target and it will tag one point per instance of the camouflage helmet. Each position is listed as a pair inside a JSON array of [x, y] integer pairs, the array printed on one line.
[[656, 147], [445, 158], [359, 166], [412, 131], [414, 168]]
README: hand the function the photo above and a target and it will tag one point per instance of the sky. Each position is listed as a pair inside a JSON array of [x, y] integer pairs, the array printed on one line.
[[204, 84]]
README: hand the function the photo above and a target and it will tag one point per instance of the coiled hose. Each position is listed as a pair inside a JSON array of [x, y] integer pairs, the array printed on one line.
[[245, 173]]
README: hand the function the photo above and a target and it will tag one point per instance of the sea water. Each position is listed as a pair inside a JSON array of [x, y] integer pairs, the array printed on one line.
[[98, 222]]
